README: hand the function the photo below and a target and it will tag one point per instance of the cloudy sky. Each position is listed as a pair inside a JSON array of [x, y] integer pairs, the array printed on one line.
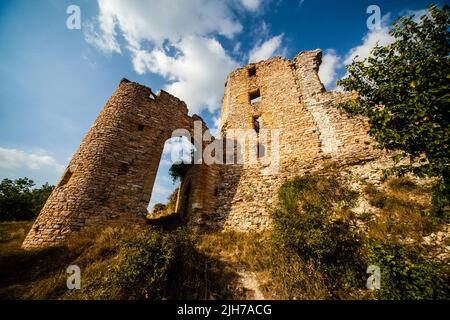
[[55, 80]]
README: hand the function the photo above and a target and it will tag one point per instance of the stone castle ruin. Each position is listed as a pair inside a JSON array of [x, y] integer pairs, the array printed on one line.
[[111, 175]]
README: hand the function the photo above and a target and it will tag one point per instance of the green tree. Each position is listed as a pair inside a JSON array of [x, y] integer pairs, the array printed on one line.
[[404, 90], [19, 201], [15, 199]]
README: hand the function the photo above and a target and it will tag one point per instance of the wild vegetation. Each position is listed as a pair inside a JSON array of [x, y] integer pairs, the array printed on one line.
[[20, 201], [321, 243], [319, 248], [330, 247], [404, 90]]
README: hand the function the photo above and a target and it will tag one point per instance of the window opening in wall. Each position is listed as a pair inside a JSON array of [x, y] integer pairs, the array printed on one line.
[[141, 127], [261, 150], [123, 168], [65, 179], [257, 124], [252, 71], [254, 96]]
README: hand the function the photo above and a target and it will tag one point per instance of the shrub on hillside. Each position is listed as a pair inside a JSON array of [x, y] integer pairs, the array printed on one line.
[[308, 238], [137, 262], [406, 274], [148, 264], [20, 201], [318, 255]]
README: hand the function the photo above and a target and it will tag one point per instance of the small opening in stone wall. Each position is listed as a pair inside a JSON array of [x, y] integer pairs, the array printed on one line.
[[123, 168], [141, 127], [152, 96], [216, 192], [252, 71], [254, 96], [261, 150], [66, 177], [257, 124]]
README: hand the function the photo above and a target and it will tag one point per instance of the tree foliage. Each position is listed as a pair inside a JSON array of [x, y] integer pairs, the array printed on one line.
[[20, 201], [404, 90]]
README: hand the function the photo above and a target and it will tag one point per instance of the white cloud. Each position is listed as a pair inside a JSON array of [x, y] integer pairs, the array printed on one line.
[[251, 5], [265, 50], [17, 159], [331, 62], [105, 38], [157, 21], [196, 74], [13, 159], [380, 35], [328, 69], [174, 39], [161, 191]]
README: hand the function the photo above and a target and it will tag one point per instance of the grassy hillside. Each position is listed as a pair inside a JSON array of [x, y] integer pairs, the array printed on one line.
[[326, 233], [325, 237]]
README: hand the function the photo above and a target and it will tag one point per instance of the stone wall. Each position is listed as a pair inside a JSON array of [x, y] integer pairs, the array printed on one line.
[[111, 175], [312, 133]]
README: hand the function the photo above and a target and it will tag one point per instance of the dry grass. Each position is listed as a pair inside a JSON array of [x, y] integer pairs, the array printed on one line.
[[402, 207], [210, 268], [107, 255]]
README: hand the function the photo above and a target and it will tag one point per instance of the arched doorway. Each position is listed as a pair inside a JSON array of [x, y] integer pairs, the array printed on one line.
[[177, 153]]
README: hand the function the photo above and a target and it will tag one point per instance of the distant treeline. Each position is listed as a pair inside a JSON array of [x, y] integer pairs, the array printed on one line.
[[21, 200]]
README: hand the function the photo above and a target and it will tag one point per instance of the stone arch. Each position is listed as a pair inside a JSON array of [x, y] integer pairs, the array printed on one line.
[[113, 171]]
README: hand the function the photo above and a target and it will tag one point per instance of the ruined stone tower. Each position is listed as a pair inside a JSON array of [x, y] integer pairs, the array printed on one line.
[[111, 176], [287, 96]]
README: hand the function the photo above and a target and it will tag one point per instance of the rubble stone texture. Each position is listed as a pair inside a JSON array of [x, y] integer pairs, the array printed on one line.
[[111, 176], [313, 133]]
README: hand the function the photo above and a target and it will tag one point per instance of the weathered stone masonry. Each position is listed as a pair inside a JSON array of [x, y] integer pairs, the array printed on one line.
[[111, 176], [313, 133]]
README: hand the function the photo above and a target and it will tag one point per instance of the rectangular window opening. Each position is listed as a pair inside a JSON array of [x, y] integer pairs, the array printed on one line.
[[254, 96], [261, 151], [252, 71], [141, 127], [65, 179], [257, 124]]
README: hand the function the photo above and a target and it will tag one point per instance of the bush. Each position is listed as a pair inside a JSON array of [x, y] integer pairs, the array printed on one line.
[[158, 208], [19, 201], [318, 255], [406, 274], [307, 238], [138, 262], [148, 264]]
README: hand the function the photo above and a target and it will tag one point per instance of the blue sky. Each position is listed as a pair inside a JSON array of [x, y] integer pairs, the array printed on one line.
[[56, 80]]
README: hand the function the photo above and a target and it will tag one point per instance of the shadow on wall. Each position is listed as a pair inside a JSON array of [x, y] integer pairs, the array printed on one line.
[[226, 182]]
